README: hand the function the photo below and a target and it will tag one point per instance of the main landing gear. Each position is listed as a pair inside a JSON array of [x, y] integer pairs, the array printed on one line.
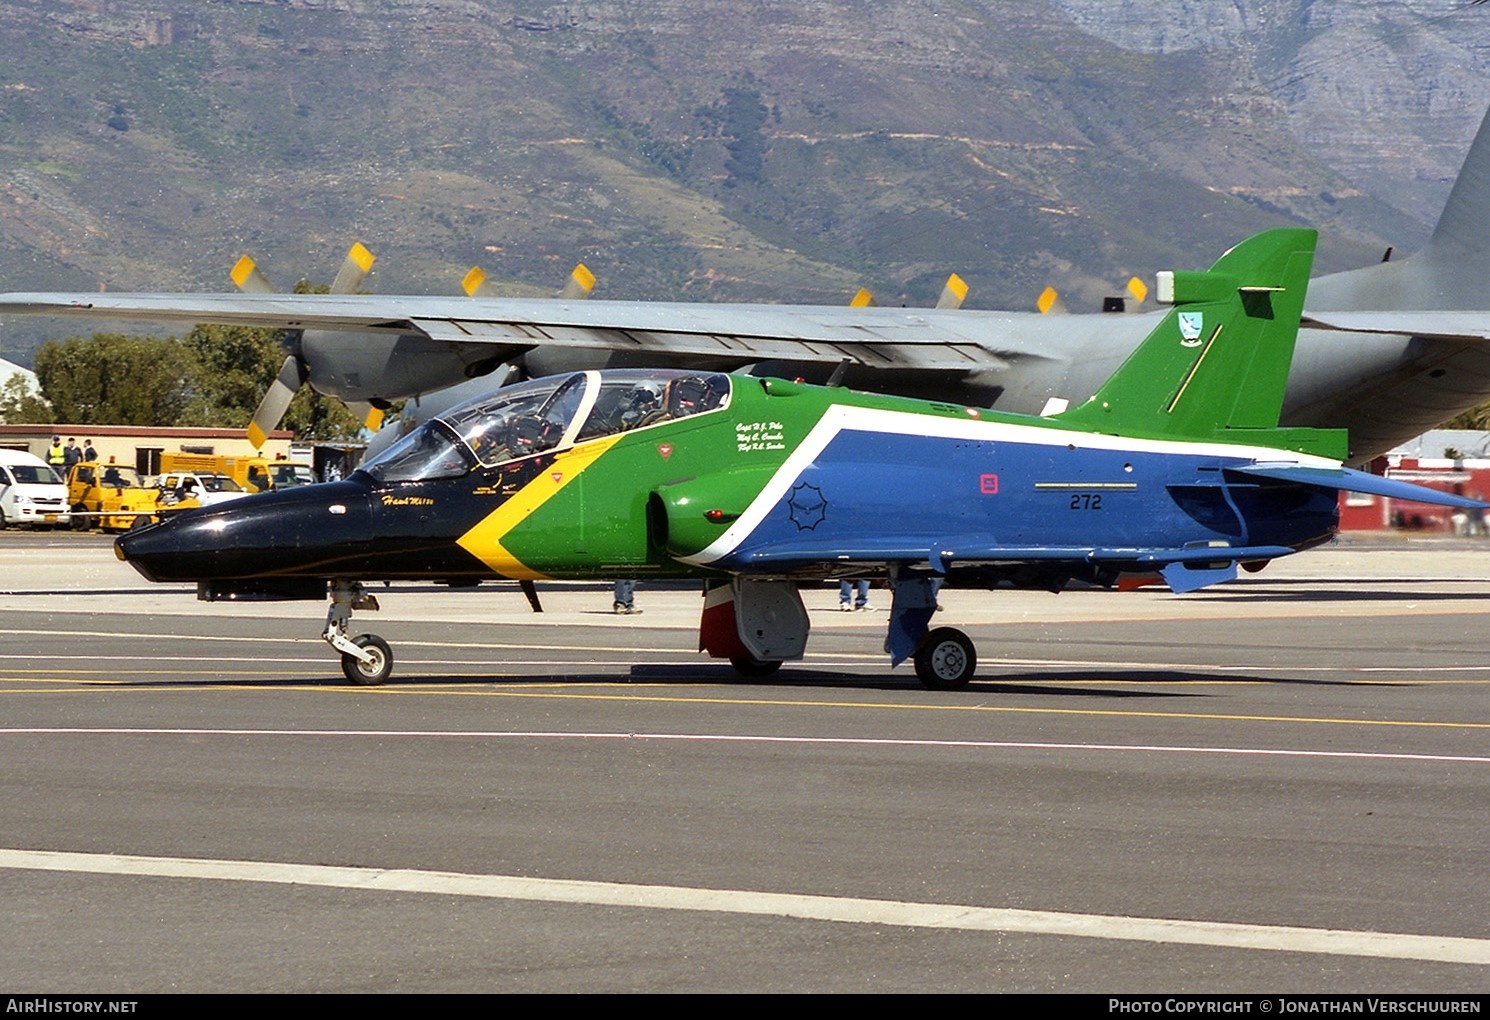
[[944, 656], [757, 623], [366, 659], [945, 659]]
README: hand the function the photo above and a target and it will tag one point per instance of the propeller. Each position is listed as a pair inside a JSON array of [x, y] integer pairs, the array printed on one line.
[[1138, 289], [292, 374], [581, 281], [1049, 302], [954, 292]]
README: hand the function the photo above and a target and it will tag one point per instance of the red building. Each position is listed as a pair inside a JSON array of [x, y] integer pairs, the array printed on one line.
[[1451, 460]]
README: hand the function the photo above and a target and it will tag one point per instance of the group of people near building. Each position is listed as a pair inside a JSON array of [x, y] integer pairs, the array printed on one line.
[[62, 458]]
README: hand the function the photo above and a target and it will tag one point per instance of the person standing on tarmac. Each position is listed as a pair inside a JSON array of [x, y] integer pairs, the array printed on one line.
[[57, 457], [857, 590], [624, 597]]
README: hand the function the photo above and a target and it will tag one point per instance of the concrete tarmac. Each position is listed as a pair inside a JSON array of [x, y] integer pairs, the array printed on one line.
[[1275, 786]]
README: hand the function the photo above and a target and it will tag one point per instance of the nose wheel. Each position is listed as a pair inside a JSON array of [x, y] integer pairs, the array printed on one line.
[[375, 668]]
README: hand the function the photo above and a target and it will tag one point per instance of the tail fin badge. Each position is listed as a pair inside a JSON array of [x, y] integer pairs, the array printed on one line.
[[1191, 326]]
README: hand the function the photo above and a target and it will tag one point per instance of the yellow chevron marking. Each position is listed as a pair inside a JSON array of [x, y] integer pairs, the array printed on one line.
[[484, 540]]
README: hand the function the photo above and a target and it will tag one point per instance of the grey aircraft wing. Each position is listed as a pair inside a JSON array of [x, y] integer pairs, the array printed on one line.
[[878, 337], [1466, 327]]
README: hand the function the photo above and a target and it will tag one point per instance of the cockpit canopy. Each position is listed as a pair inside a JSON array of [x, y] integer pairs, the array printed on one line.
[[547, 414]]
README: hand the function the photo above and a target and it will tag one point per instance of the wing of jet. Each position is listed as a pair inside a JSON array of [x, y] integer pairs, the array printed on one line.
[[1176, 463]]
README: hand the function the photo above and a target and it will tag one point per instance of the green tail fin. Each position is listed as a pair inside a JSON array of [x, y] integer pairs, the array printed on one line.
[[1219, 361]]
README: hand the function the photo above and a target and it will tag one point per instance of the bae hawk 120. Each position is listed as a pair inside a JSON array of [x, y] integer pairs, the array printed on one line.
[[1175, 465]]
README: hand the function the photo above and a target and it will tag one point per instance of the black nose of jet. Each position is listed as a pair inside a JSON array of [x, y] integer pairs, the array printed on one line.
[[265, 535]]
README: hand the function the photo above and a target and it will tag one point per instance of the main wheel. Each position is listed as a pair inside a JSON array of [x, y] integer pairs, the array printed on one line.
[[945, 659], [368, 673], [755, 668], [80, 519]]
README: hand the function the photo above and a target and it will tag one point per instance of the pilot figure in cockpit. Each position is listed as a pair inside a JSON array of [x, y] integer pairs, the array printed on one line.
[[643, 406]]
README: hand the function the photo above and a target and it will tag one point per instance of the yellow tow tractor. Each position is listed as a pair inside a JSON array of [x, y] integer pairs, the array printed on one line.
[[109, 496], [254, 474]]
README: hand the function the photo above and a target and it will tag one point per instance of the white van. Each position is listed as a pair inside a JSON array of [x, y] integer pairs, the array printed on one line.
[[30, 492]]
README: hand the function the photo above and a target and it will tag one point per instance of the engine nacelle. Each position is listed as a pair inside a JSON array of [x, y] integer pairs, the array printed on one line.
[[685, 518]]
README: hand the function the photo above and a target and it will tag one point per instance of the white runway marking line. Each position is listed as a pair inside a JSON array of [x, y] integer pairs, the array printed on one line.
[[849, 910], [742, 738]]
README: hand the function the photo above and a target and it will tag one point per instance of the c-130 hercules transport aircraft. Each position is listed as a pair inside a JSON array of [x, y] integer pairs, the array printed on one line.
[[1176, 464], [1387, 351]]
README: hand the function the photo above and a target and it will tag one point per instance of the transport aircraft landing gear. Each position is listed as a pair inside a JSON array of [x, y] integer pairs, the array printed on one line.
[[945, 659], [755, 668], [365, 659]]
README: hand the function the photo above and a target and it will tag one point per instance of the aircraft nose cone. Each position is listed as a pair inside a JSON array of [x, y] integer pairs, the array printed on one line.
[[269, 534]]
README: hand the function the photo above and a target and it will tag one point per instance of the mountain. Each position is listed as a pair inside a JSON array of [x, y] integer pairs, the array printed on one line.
[[713, 150]]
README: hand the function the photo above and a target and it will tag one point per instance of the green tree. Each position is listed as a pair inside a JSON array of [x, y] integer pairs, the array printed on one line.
[[232, 368], [214, 377], [1477, 418], [19, 402], [115, 379]]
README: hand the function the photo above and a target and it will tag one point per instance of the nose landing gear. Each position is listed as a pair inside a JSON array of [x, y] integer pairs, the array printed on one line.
[[365, 659]]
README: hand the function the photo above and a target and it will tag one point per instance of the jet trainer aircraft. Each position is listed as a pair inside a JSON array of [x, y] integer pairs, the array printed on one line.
[[1176, 464], [1386, 352]]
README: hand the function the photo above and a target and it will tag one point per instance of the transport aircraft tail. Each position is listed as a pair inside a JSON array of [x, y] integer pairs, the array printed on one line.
[[1452, 272]]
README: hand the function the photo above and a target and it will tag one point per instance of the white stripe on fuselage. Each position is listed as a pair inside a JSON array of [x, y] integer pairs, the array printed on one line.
[[847, 418]]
